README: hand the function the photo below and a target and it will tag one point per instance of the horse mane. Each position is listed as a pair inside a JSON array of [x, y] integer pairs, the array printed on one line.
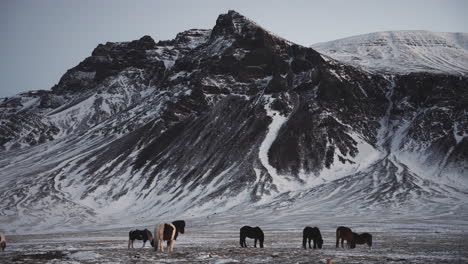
[[179, 223]]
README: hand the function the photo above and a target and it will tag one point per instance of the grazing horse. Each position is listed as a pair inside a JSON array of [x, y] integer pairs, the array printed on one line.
[[345, 233], [144, 235], [312, 233], [364, 238], [168, 232], [251, 232], [2, 241]]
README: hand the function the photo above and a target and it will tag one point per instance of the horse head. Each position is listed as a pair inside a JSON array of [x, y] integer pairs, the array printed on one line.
[[319, 243], [180, 226], [355, 238]]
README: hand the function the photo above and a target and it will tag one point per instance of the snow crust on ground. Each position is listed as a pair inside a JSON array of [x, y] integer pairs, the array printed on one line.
[[223, 247]]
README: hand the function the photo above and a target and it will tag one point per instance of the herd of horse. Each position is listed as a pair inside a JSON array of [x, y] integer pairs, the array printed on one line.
[[170, 232]]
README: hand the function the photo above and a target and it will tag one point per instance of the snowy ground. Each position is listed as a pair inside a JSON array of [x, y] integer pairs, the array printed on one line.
[[223, 247]]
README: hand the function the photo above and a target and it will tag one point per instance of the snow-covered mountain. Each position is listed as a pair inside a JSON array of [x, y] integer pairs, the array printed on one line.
[[402, 52], [234, 121]]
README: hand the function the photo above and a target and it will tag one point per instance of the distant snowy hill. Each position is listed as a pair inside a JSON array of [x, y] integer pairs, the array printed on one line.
[[402, 51], [238, 122]]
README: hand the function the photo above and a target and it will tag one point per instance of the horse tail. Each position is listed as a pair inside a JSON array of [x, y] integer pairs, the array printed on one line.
[[304, 238], [337, 237], [242, 238], [129, 238], [157, 236]]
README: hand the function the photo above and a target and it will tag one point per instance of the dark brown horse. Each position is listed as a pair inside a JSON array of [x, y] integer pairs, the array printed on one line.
[[312, 233], [2, 242], [364, 238], [345, 233], [144, 235]]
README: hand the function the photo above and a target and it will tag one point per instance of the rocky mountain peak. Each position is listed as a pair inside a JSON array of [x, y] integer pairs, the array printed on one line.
[[235, 25], [192, 38], [232, 23]]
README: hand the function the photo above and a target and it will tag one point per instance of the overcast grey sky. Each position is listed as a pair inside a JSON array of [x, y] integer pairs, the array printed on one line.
[[41, 39]]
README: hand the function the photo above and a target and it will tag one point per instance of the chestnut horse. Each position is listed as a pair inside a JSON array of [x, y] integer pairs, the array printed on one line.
[[364, 238], [168, 232], [345, 233]]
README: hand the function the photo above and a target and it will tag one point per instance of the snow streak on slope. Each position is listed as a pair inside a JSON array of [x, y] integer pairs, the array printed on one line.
[[402, 51], [277, 121]]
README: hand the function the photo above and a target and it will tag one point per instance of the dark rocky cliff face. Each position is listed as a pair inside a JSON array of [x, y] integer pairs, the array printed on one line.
[[229, 114]]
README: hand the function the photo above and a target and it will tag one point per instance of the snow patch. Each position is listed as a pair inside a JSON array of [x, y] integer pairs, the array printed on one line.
[[85, 255]]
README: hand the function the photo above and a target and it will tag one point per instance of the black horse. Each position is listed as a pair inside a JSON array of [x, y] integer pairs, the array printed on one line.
[[251, 232], [312, 233], [144, 235], [168, 232], [364, 238]]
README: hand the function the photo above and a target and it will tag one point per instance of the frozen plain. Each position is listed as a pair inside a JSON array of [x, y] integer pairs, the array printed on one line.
[[283, 244]]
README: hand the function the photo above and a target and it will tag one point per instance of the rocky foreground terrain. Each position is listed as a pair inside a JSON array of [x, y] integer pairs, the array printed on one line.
[[222, 247]]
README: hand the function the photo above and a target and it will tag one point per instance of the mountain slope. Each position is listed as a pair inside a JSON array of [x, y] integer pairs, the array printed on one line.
[[402, 52], [228, 120]]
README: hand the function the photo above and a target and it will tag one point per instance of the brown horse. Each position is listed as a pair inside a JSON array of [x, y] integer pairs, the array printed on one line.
[[2, 241], [345, 233]]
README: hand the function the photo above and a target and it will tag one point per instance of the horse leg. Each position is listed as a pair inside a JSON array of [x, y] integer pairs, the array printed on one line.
[[304, 242], [144, 242], [315, 244], [255, 242], [129, 244], [172, 245], [342, 242], [242, 241], [161, 245]]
